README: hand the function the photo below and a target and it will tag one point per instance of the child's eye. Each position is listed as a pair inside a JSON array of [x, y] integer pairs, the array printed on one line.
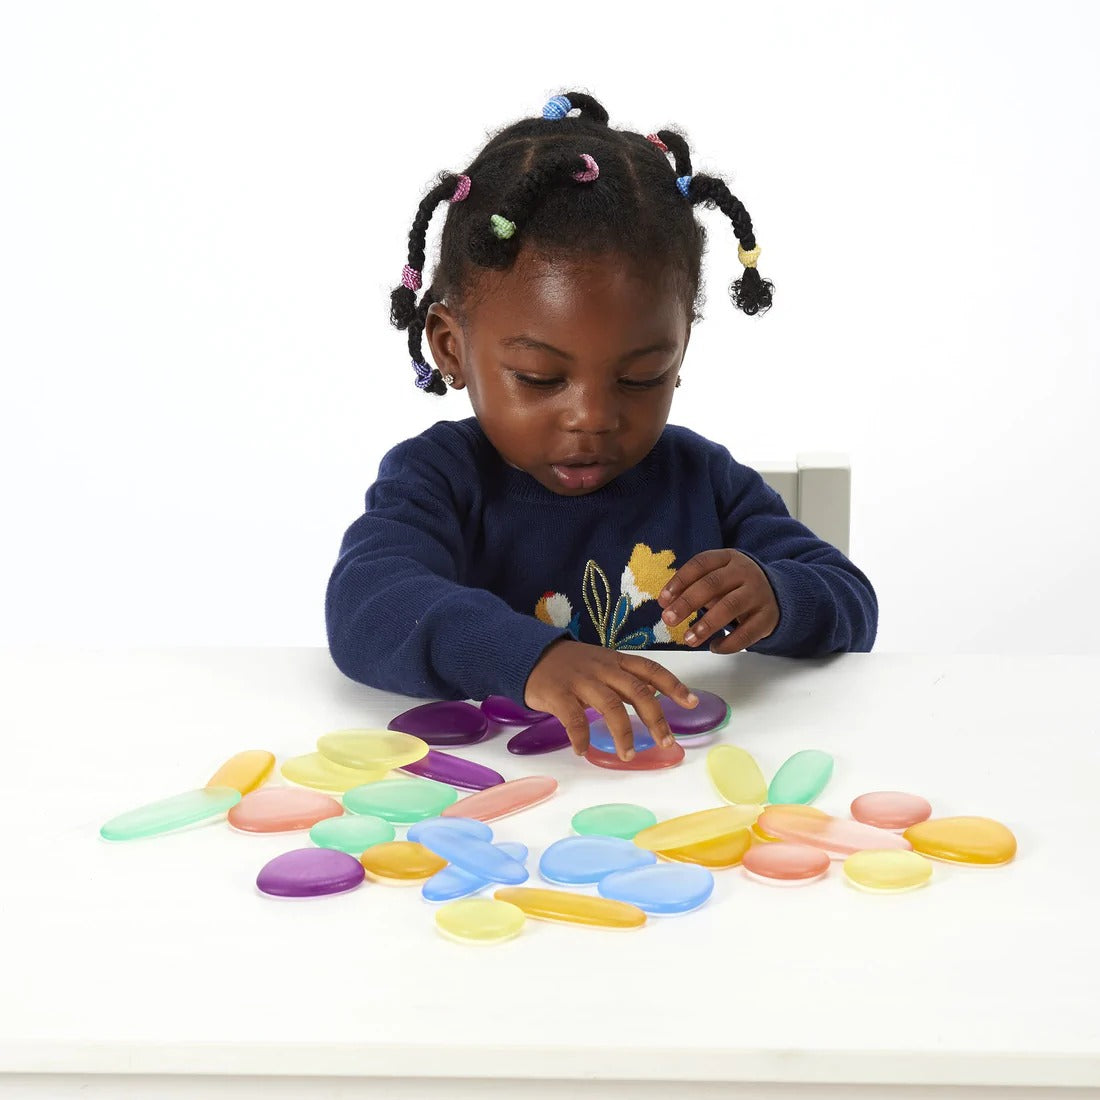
[[541, 383], [629, 383]]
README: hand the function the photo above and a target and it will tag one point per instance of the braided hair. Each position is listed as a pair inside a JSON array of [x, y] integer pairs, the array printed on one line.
[[569, 185]]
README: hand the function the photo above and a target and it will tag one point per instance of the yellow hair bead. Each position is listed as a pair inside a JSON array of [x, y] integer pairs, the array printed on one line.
[[748, 258]]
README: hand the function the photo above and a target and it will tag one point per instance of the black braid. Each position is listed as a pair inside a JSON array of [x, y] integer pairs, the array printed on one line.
[[634, 210]]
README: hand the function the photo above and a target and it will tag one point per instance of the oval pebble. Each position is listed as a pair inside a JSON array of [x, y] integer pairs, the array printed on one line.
[[583, 860], [244, 772], [886, 871], [718, 854], [679, 832], [402, 801], [480, 920], [476, 857], [891, 809], [621, 819], [176, 812], [736, 775], [664, 889], [499, 708], [974, 840], [791, 809], [401, 862], [834, 835], [785, 863], [452, 882], [371, 750], [465, 825], [310, 872], [351, 833], [712, 713], [319, 773], [650, 760], [453, 770], [508, 798], [545, 735], [600, 736], [282, 810], [566, 907], [802, 777], [444, 723]]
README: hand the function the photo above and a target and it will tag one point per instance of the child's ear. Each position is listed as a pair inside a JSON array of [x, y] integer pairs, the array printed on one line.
[[444, 336]]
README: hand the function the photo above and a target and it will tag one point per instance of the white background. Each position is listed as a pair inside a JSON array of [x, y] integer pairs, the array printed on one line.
[[203, 207]]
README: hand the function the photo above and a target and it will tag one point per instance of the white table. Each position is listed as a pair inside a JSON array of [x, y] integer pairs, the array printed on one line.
[[126, 968]]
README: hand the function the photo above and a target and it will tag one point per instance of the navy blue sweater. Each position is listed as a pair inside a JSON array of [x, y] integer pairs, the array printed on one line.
[[463, 569]]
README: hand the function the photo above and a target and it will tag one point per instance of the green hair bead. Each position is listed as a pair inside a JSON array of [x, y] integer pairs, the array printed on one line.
[[502, 227]]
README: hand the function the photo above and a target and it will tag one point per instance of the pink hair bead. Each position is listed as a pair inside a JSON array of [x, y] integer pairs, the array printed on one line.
[[591, 170], [410, 277], [658, 142], [462, 190]]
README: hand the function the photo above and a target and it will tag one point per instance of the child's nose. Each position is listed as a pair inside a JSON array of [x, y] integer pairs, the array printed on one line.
[[593, 410]]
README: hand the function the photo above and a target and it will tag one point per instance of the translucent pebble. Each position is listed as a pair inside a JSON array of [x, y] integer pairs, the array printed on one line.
[[736, 775], [679, 832], [545, 735], [171, 813], [663, 889], [569, 908], [476, 857], [319, 773], [282, 810], [790, 808], [600, 736], [508, 798], [480, 920], [710, 714], [583, 860], [445, 768], [466, 825], [444, 723], [891, 809], [351, 833], [244, 772], [401, 862], [452, 882], [884, 870], [621, 819], [801, 778], [835, 835], [310, 872], [977, 840], [650, 760], [372, 750], [718, 854], [784, 862], [499, 708], [402, 801]]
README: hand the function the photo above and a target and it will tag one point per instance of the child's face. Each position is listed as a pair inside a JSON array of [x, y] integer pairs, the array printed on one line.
[[590, 402]]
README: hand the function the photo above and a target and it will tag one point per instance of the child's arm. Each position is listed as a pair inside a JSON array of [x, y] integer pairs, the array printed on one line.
[[399, 617], [825, 604]]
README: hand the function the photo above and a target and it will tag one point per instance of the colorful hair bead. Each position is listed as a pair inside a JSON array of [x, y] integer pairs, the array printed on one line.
[[748, 258], [683, 183], [502, 227], [658, 142], [591, 170], [423, 374], [558, 107], [462, 191], [410, 277]]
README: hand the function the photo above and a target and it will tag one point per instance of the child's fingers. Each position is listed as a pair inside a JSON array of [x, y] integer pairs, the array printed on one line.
[[650, 712], [575, 722], [618, 721], [664, 681]]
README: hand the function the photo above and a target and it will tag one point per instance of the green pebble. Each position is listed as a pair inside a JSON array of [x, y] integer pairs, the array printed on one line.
[[802, 778], [171, 813], [352, 833], [621, 819], [401, 801]]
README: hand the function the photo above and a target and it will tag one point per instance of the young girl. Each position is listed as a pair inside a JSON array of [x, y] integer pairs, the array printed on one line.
[[536, 548]]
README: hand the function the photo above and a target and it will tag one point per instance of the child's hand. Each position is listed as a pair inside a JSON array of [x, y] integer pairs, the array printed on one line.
[[570, 676], [733, 588]]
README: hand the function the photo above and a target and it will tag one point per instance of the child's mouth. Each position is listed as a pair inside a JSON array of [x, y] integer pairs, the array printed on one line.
[[587, 476]]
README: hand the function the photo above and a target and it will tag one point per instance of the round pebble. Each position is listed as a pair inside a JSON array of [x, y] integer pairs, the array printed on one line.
[[710, 714], [601, 738], [891, 809], [480, 920], [318, 772], [620, 819], [583, 860], [976, 840], [351, 833], [499, 708], [651, 760], [401, 862], [664, 889], [282, 810], [372, 750], [444, 723], [402, 801], [310, 872], [785, 863], [886, 871]]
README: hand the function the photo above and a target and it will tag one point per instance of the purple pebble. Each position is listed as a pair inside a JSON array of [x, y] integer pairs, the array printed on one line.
[[310, 872], [444, 723], [546, 735], [711, 713], [499, 708], [453, 770]]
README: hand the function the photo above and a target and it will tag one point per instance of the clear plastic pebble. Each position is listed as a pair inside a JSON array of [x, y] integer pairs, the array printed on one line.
[[402, 801], [568, 908], [452, 882], [171, 813], [891, 809], [583, 860], [244, 772], [694, 828], [886, 871], [282, 810], [664, 889], [310, 872], [736, 775], [621, 819], [801, 778], [401, 863], [371, 750], [351, 833], [480, 920]]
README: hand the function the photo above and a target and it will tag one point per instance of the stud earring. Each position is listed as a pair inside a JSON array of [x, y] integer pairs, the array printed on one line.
[[449, 379], [678, 381]]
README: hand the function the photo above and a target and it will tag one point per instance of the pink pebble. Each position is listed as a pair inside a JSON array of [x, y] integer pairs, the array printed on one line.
[[891, 809], [782, 863]]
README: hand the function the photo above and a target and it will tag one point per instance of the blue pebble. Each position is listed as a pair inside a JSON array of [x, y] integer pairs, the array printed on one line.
[[663, 890], [582, 860]]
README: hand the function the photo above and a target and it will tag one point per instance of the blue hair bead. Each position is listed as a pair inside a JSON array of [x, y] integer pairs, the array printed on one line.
[[558, 107], [683, 183], [423, 374]]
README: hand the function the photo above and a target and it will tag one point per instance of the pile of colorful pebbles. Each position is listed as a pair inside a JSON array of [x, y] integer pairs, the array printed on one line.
[[620, 865]]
